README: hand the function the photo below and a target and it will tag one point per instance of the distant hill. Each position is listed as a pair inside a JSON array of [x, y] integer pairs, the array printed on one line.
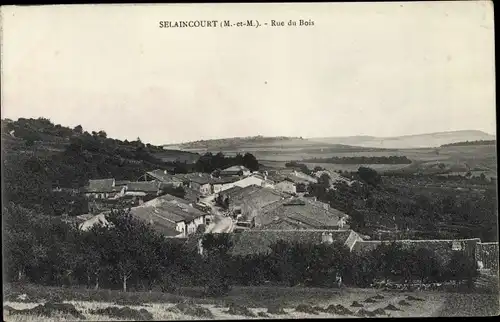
[[238, 142], [427, 140], [468, 143]]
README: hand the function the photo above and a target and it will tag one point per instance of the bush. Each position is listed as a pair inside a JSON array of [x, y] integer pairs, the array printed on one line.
[[192, 310], [125, 313], [275, 309], [306, 308], [235, 309], [48, 310]]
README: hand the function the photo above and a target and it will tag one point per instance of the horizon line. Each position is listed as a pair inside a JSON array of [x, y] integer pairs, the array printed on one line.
[[323, 137]]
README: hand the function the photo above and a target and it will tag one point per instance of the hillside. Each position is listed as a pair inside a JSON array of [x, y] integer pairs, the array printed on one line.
[[426, 140], [38, 156], [225, 143]]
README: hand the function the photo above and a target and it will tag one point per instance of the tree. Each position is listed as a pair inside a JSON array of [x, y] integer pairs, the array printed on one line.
[[369, 176], [125, 245], [427, 265], [21, 246], [250, 162], [460, 268], [217, 258], [78, 129], [324, 180], [102, 134]]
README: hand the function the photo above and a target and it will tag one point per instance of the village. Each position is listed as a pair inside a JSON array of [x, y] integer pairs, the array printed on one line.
[[257, 208]]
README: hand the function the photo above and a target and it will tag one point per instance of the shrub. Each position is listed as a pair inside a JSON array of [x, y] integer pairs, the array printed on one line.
[[275, 309], [48, 309], [235, 309], [125, 312], [193, 310], [306, 308]]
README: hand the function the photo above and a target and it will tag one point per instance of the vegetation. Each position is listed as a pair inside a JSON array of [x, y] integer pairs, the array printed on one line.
[[32, 176], [413, 207], [362, 160], [299, 166], [466, 143], [130, 254], [210, 163]]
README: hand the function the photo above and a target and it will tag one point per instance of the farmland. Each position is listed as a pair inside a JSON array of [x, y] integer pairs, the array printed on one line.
[[251, 301]]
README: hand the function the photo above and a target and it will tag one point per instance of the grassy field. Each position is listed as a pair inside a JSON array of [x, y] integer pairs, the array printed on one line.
[[256, 301], [458, 159]]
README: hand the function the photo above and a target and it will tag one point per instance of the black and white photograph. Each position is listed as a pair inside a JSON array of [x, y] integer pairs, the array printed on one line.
[[249, 161]]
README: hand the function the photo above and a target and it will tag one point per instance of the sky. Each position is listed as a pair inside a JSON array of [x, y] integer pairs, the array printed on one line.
[[381, 69]]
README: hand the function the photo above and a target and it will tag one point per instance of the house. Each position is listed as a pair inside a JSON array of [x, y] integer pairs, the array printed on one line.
[[121, 183], [236, 170], [103, 189], [250, 242], [202, 184], [224, 183], [299, 213], [170, 215], [249, 201], [286, 185], [300, 177], [334, 177], [163, 177], [142, 188], [289, 180], [255, 179]]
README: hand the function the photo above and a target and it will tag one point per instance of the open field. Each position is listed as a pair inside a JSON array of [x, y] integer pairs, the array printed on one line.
[[259, 299], [457, 159]]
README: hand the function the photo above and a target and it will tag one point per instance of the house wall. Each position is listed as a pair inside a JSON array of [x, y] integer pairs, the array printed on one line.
[[204, 189], [104, 195], [181, 227], [135, 193], [191, 227], [286, 186]]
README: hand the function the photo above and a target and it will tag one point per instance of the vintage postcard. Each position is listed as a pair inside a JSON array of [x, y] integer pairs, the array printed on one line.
[[249, 161]]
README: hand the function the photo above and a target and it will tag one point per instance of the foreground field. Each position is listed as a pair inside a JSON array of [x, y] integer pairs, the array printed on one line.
[[256, 302]]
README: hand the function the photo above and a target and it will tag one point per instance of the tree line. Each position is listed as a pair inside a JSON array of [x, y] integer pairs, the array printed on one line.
[[130, 254], [467, 143], [215, 162], [362, 160]]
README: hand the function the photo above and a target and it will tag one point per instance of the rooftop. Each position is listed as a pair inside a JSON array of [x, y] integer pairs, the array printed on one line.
[[259, 241], [143, 186], [235, 168], [300, 210], [101, 185]]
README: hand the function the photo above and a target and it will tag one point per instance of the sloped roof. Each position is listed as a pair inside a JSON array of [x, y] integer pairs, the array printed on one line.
[[89, 223], [299, 179], [259, 241], [301, 210], [191, 194], [235, 168], [122, 182], [145, 186], [225, 180], [160, 175], [100, 185]]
